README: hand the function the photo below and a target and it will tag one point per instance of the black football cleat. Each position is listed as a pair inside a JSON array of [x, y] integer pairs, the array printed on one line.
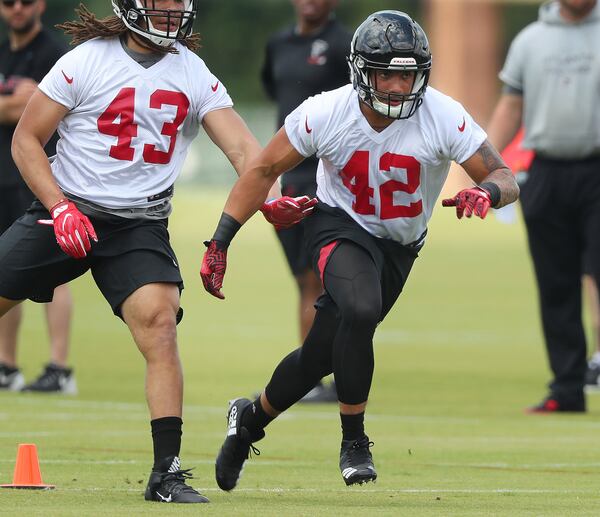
[[54, 379], [356, 461], [168, 484], [555, 404], [236, 447]]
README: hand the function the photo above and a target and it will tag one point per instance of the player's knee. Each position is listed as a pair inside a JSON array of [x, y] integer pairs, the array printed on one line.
[[159, 320], [361, 313]]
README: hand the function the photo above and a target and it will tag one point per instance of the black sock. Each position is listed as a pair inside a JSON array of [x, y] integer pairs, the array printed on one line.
[[353, 426], [255, 419], [166, 436]]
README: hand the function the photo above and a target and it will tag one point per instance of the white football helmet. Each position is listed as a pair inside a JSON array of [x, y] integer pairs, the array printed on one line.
[[137, 15]]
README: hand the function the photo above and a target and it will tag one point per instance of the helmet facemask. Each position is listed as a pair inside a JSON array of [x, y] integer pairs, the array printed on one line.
[[143, 18], [392, 41], [391, 105]]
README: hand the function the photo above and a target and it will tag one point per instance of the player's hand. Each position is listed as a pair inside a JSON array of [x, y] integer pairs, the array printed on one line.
[[213, 268], [470, 201], [72, 229], [286, 211]]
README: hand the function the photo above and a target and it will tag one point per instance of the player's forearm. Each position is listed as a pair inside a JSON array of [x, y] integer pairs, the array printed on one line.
[[248, 194], [30, 158], [243, 154], [245, 198], [505, 181]]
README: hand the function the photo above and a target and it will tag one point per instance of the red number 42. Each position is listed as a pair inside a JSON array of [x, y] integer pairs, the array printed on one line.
[[122, 108], [355, 176]]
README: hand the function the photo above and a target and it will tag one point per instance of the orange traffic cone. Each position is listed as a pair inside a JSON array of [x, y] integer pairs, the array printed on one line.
[[27, 469]]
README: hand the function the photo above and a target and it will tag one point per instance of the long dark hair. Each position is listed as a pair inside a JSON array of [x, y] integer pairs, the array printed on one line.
[[89, 27]]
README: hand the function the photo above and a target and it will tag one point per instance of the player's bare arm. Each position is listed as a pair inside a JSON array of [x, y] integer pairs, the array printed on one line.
[[252, 188], [487, 166], [231, 134], [37, 125], [246, 197]]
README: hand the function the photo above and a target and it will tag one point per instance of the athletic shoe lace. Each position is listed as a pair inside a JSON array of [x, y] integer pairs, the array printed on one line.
[[174, 482], [359, 452], [242, 449]]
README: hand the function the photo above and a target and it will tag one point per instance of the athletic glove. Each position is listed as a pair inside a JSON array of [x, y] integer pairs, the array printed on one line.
[[71, 228], [470, 201], [213, 268], [286, 211]]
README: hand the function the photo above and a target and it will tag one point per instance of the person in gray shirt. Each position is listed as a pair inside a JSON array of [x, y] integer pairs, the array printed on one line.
[[552, 87]]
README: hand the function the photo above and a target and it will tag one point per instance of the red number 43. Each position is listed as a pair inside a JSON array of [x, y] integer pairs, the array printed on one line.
[[355, 176], [118, 121]]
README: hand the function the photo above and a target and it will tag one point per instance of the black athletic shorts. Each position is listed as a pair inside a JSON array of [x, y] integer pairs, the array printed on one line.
[[14, 201], [129, 253], [292, 239], [328, 226]]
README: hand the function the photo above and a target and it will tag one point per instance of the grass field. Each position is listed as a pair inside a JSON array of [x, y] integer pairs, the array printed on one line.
[[457, 360]]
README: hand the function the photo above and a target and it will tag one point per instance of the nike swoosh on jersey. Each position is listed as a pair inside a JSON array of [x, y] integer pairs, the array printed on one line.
[[461, 128], [308, 130], [215, 87], [67, 78]]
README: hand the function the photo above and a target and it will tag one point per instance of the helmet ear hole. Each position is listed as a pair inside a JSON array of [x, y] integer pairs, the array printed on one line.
[[390, 40]]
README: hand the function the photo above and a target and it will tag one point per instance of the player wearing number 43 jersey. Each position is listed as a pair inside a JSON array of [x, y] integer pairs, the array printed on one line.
[[127, 102], [385, 144]]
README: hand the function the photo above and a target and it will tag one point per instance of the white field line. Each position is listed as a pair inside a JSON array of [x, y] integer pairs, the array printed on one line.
[[71, 410], [295, 463], [360, 491]]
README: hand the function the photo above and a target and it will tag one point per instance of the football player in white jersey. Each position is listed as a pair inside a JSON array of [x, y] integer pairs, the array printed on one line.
[[127, 103], [385, 145]]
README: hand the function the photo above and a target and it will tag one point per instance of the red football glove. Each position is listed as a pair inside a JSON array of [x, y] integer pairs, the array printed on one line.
[[71, 228], [470, 201], [286, 211], [213, 268]]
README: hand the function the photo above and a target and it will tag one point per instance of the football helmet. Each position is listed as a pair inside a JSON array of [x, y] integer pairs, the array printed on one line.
[[390, 40], [138, 16]]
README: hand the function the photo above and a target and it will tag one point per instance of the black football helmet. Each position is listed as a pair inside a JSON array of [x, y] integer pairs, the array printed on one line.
[[137, 16], [390, 40]]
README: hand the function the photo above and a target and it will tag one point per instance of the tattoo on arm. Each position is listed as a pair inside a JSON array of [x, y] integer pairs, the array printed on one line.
[[491, 158], [499, 173]]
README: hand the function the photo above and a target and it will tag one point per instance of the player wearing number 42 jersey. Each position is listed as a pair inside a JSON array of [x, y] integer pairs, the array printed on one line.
[[127, 102], [385, 144]]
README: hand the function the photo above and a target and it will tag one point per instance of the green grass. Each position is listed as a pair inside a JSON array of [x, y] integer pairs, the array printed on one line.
[[457, 360]]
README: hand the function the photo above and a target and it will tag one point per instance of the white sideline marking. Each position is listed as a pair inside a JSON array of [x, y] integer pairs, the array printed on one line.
[[29, 433], [133, 411], [523, 491], [294, 463]]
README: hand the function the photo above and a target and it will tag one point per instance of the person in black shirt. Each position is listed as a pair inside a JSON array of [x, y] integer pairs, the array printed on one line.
[[25, 57], [304, 60]]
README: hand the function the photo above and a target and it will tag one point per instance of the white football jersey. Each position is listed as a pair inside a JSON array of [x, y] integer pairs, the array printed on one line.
[[129, 128], [387, 181]]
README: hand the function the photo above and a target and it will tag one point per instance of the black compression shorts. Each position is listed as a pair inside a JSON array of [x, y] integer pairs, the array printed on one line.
[[129, 253]]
